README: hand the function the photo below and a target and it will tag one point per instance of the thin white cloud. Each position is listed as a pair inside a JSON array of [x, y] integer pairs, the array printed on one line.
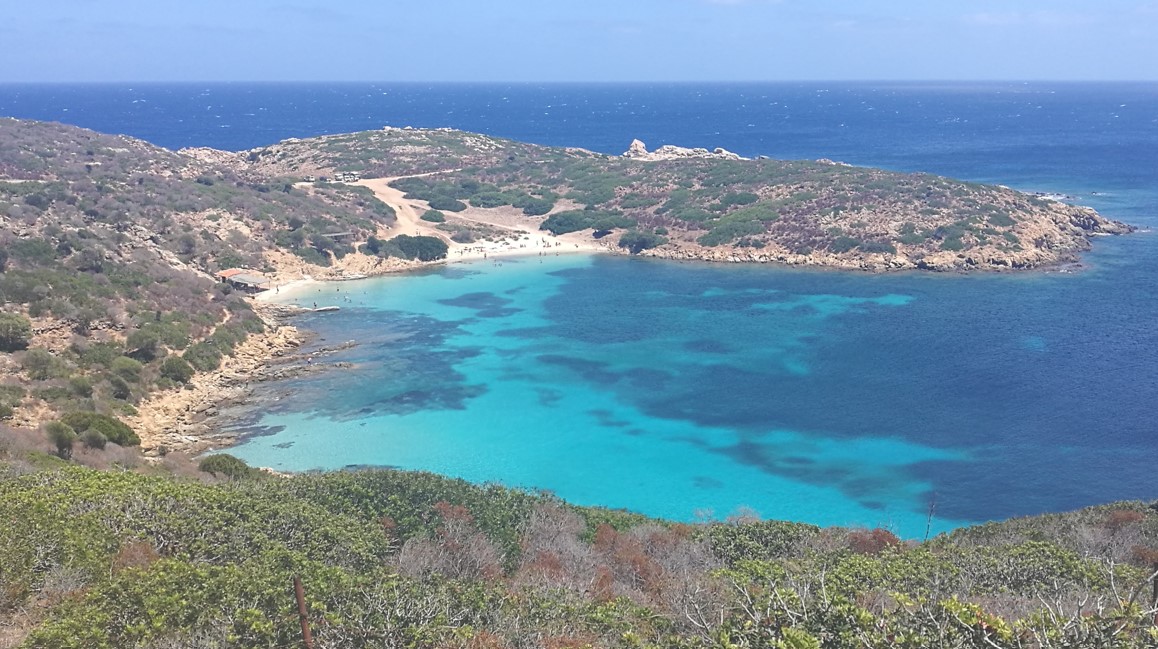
[[1029, 19], [736, 3]]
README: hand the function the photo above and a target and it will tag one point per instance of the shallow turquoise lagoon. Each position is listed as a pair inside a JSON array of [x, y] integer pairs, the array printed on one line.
[[689, 390]]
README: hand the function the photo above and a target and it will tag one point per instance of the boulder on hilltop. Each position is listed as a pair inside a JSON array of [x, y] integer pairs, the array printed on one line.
[[638, 151]]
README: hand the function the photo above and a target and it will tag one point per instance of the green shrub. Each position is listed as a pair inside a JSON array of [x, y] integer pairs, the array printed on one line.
[[954, 244], [637, 201], [115, 430], [15, 332], [93, 438], [538, 206], [81, 386], [843, 243], [127, 368], [912, 238], [40, 364], [877, 247], [738, 198], [576, 220], [1001, 219], [636, 241], [421, 248], [446, 204], [120, 389], [99, 354], [727, 230], [564, 222], [490, 199], [203, 356], [228, 466], [763, 212], [177, 369], [37, 252], [434, 216], [62, 436]]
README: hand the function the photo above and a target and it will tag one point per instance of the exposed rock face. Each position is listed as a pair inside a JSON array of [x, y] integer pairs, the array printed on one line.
[[1090, 221], [638, 151], [177, 419]]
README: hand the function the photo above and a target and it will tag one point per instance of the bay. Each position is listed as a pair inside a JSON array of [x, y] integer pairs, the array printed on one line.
[[678, 389]]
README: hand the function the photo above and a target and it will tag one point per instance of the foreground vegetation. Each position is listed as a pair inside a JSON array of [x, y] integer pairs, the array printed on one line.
[[140, 557]]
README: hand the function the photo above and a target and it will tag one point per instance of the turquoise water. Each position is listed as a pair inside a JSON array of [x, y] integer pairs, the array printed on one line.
[[680, 388], [688, 390]]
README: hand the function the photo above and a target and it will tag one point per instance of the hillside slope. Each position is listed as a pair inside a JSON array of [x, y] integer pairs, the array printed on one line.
[[108, 249]]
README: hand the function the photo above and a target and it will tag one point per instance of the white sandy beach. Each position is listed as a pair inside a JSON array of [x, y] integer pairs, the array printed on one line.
[[518, 236]]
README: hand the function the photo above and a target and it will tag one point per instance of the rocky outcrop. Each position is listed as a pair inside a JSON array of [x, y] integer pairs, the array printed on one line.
[[985, 259], [638, 151], [1091, 222], [177, 420]]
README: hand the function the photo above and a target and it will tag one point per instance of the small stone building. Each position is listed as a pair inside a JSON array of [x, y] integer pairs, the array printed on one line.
[[244, 279]]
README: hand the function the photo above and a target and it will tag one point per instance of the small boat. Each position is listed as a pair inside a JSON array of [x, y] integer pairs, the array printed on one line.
[[326, 309]]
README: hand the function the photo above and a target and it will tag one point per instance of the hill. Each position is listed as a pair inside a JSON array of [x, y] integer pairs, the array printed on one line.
[[109, 248], [699, 205]]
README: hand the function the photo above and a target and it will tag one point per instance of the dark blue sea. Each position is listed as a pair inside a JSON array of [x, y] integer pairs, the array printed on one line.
[[684, 389]]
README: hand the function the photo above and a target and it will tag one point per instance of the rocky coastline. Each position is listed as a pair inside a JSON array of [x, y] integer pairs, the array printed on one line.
[[190, 419]]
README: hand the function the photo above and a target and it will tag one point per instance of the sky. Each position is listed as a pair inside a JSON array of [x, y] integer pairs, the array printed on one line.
[[577, 40]]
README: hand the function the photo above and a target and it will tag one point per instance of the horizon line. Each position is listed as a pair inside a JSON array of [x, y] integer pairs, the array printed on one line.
[[558, 82]]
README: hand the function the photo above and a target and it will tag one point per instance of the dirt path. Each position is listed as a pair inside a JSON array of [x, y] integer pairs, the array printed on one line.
[[524, 239], [409, 220]]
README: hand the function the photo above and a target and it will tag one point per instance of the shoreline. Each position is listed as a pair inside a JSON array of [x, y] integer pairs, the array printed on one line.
[[185, 419], [180, 419], [293, 283]]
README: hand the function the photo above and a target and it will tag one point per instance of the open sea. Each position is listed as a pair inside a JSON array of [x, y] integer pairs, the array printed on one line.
[[689, 390]]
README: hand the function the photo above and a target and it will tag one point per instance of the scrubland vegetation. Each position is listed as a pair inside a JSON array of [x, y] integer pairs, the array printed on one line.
[[109, 246], [142, 557], [791, 208]]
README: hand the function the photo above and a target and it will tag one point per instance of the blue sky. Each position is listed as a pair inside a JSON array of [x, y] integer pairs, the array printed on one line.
[[577, 40]]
